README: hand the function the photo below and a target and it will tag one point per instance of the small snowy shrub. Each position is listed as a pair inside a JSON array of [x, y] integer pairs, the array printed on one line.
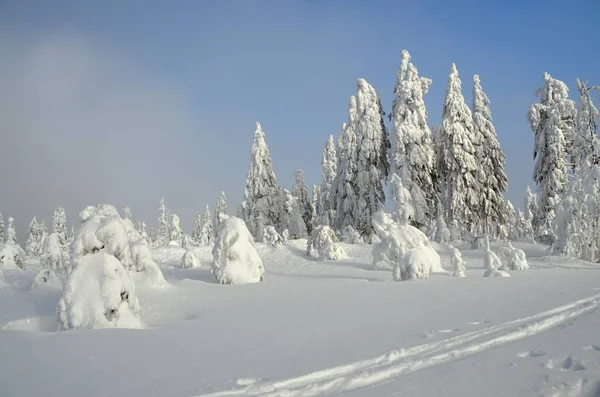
[[457, 262], [350, 235], [323, 244], [478, 242], [235, 260], [141, 261], [51, 261], [98, 294], [518, 259], [285, 235], [11, 256], [271, 237], [490, 259], [46, 276], [495, 273], [189, 260], [413, 264], [442, 233]]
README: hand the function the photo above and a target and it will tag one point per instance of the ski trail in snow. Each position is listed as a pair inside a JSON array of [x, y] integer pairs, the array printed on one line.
[[387, 366]]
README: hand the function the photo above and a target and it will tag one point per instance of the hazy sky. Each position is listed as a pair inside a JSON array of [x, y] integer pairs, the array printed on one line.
[[123, 102]]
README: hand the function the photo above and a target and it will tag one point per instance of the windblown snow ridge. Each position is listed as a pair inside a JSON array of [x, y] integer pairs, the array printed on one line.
[[383, 368]]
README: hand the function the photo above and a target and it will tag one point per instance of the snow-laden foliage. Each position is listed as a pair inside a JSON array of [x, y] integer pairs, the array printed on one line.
[[2, 229], [441, 232], [530, 213], [103, 230], [412, 156], [405, 248], [98, 294], [52, 262], [350, 235], [371, 158], [316, 192], [457, 163], [290, 217], [585, 140], [552, 122], [261, 205], [36, 238], [176, 235], [517, 259], [324, 245], [220, 208], [162, 235], [11, 255], [490, 259], [235, 260], [202, 234], [491, 161], [404, 210], [345, 199], [495, 273], [458, 262], [189, 260], [324, 208], [300, 193], [126, 213], [271, 237], [46, 276]]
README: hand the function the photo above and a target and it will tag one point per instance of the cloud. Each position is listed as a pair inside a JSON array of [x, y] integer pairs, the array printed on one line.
[[80, 125]]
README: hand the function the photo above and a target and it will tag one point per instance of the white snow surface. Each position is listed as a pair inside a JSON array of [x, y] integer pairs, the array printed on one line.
[[309, 328]]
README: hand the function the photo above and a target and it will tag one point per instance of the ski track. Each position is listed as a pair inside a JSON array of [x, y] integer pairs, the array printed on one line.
[[383, 368]]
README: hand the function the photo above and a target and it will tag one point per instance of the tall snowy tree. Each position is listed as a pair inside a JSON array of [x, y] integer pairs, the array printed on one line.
[[412, 155], [324, 207], [457, 164], [585, 142], [551, 121], [203, 233], [530, 211], [176, 232], [491, 160], [2, 229], [59, 226], [11, 233], [34, 234], [163, 230], [371, 157], [300, 193], [220, 209], [345, 180], [261, 206]]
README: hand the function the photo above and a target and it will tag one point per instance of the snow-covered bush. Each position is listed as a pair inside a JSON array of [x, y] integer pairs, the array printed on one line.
[[324, 245], [51, 261], [98, 294], [203, 233], [235, 260], [271, 237], [405, 248], [517, 259], [141, 261], [12, 256], [457, 262], [478, 242], [442, 233], [189, 260], [495, 273], [350, 235], [176, 232], [48, 277], [490, 259]]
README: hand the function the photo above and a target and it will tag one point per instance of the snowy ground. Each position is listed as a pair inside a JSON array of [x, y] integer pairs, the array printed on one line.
[[314, 328]]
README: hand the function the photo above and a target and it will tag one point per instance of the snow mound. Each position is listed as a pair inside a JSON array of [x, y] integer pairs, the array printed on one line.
[[189, 260], [98, 294], [235, 260], [518, 259], [324, 245], [397, 240], [12, 256], [47, 276], [495, 273], [141, 261], [490, 259], [413, 264]]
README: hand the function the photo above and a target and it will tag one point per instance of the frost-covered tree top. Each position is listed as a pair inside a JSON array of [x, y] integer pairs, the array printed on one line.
[[490, 158], [220, 208], [59, 224], [2, 229], [163, 230], [300, 192], [585, 142], [126, 213], [11, 234], [261, 196], [457, 163], [372, 157], [412, 153]]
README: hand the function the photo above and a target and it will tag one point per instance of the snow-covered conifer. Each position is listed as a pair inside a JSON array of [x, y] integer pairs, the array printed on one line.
[[371, 157], [490, 259], [52, 263], [552, 121], [412, 155], [176, 232], [189, 260], [126, 213], [458, 262], [261, 205], [11, 253], [585, 141], [324, 208], [59, 225], [203, 229], [510, 220], [33, 238], [235, 260], [163, 231], [300, 193], [2, 229], [457, 164], [220, 208], [324, 245], [271, 237], [518, 259], [316, 192], [491, 161]]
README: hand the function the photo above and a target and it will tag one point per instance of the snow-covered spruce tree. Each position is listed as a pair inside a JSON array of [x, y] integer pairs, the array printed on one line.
[[59, 225], [530, 212], [324, 208], [300, 193], [220, 208], [162, 235], [33, 237], [203, 229], [290, 217], [261, 205], [412, 156], [491, 161], [457, 163], [2, 229], [585, 140], [324, 244], [552, 121], [189, 260], [176, 232], [316, 192], [345, 180], [126, 213], [235, 260], [371, 158], [510, 222], [458, 263], [51, 261], [11, 253], [272, 237]]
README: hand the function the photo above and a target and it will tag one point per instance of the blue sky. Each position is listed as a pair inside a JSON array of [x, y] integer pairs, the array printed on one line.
[[127, 101]]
